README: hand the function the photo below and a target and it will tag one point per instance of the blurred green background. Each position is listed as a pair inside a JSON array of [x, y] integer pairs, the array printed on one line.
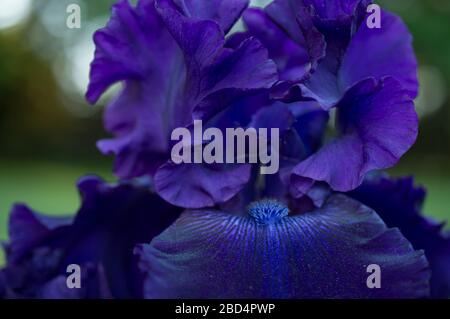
[[48, 132]]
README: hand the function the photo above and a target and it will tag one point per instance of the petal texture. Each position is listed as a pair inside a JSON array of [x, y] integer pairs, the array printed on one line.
[[323, 254], [381, 52], [200, 185], [377, 124], [100, 238], [400, 203], [174, 68]]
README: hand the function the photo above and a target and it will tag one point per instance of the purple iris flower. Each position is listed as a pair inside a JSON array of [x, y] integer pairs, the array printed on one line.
[[175, 66], [225, 230], [303, 44], [100, 239], [326, 52]]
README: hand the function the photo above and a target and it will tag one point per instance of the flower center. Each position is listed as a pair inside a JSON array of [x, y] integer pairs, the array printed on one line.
[[267, 211]]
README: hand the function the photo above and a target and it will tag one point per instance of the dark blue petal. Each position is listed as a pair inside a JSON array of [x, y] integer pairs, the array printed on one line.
[[224, 12], [322, 254], [399, 203], [172, 58], [200, 185], [377, 124], [27, 229], [100, 238], [387, 51]]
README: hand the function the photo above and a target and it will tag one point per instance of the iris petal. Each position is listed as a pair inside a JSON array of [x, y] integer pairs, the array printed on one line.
[[322, 254], [110, 222], [224, 12], [400, 203], [377, 123], [201, 185], [286, 29], [381, 52], [135, 41], [27, 228], [176, 67], [334, 10]]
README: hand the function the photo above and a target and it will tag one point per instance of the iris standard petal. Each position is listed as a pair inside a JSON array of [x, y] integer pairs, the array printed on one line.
[[224, 12], [212, 68], [343, 50], [381, 52], [334, 10], [286, 29], [376, 123], [178, 69]]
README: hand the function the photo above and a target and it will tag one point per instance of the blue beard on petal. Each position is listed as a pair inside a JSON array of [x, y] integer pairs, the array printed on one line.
[[268, 254], [267, 211]]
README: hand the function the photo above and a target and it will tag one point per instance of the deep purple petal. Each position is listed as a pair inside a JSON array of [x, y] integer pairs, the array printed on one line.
[[200, 185], [377, 124], [110, 222], [333, 10], [323, 85], [399, 204], [291, 58], [338, 19], [124, 48], [296, 21], [211, 67], [27, 228], [310, 123], [276, 116], [286, 29], [224, 12], [142, 114], [175, 68], [381, 52], [322, 254]]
